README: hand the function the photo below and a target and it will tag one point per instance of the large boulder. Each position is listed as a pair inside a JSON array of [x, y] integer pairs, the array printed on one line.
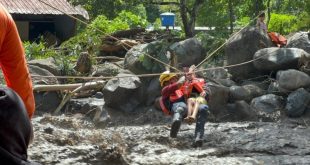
[[124, 93], [152, 90], [137, 59], [274, 59], [293, 79], [188, 52], [241, 111], [218, 98], [268, 107], [242, 47], [46, 102], [297, 102], [48, 64], [299, 40]]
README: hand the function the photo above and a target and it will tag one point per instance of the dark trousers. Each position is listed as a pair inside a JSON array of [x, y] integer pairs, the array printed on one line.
[[181, 108]]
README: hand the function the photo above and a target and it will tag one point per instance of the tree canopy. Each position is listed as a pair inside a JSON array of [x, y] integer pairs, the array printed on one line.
[[224, 15]]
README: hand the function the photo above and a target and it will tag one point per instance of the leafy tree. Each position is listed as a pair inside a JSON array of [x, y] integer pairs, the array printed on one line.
[[282, 23]]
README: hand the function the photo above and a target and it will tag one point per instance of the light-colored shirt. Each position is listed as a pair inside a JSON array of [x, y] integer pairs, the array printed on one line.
[[262, 25]]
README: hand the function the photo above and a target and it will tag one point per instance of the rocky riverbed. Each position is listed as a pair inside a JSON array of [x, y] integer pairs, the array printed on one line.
[[73, 139]]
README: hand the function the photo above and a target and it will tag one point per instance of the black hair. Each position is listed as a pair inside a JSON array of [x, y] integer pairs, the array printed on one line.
[[261, 14]]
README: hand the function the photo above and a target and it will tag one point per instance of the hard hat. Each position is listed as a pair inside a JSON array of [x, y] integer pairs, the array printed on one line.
[[165, 76]]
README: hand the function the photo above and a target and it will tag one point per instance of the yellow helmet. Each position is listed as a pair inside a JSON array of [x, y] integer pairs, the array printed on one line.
[[165, 76]]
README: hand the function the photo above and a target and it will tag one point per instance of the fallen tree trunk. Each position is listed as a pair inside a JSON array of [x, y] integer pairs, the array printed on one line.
[[69, 87]]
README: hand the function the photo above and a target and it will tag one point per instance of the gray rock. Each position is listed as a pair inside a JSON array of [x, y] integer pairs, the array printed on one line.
[[241, 48], [106, 70], [188, 52], [274, 59], [297, 102], [219, 73], [246, 92], [299, 40], [241, 111], [293, 79], [83, 64], [218, 99], [226, 82], [38, 71], [274, 88], [90, 107], [99, 95], [268, 107], [48, 64], [45, 101], [153, 90], [137, 62], [124, 93]]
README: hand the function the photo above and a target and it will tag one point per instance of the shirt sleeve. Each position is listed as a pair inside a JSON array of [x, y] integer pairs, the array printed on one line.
[[169, 89], [13, 61]]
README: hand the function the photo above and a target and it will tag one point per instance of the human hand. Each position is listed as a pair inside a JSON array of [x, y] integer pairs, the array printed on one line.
[[181, 80], [203, 94]]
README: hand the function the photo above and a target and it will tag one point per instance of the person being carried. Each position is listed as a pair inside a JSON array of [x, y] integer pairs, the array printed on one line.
[[261, 22], [194, 92]]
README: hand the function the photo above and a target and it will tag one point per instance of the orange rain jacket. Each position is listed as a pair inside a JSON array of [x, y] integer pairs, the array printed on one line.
[[13, 62]]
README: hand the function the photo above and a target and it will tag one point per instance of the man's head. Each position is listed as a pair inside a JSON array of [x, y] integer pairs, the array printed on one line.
[[261, 15], [167, 78]]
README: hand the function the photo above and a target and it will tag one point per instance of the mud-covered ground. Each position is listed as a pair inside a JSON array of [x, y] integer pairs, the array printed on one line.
[[145, 140]]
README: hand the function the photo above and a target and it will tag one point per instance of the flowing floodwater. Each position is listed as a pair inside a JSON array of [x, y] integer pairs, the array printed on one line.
[[145, 140]]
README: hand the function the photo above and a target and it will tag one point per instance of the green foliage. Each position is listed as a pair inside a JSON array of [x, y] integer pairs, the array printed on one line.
[[130, 19], [157, 24], [243, 21], [303, 23], [90, 39], [40, 51], [282, 23], [37, 50]]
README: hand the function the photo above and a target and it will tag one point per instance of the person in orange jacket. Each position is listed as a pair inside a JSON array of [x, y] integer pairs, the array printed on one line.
[[17, 103], [13, 62]]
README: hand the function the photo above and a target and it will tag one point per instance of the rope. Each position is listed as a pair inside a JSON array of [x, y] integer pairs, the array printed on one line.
[[208, 57], [151, 74]]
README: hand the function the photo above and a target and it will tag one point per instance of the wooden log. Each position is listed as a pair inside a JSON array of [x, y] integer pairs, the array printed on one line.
[[69, 87]]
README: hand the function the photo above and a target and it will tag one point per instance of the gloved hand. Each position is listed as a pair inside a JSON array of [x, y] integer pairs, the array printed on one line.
[[181, 80]]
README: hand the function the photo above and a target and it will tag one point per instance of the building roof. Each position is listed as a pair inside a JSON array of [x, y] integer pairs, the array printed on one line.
[[40, 7]]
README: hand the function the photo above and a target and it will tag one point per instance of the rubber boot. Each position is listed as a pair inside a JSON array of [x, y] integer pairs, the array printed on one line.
[[176, 124], [200, 124]]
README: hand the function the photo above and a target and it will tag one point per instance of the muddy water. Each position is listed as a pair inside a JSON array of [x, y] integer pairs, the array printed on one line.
[[75, 140]]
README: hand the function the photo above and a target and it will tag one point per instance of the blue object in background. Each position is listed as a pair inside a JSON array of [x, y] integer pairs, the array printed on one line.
[[167, 19]]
